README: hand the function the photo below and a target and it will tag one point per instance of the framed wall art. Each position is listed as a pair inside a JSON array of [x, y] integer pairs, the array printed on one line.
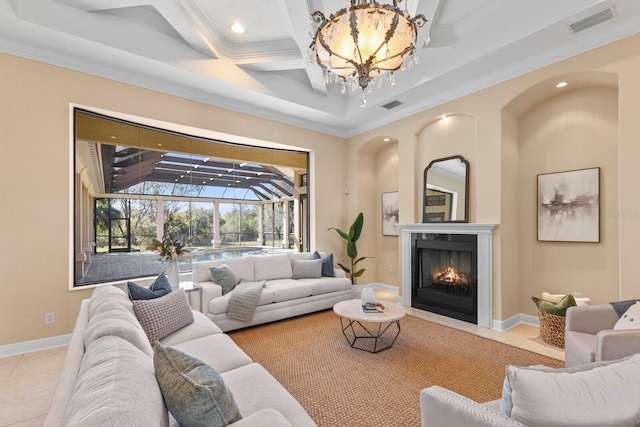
[[390, 207], [569, 206]]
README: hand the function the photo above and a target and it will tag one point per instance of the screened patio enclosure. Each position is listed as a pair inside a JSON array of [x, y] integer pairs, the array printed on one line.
[[135, 183]]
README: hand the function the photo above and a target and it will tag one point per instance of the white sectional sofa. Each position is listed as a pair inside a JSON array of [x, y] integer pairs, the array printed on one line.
[[108, 377], [284, 295]]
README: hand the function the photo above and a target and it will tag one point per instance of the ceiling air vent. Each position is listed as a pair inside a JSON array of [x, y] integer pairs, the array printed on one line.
[[392, 104], [592, 20]]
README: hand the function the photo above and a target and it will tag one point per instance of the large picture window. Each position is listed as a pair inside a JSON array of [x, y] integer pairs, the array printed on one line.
[[136, 183]]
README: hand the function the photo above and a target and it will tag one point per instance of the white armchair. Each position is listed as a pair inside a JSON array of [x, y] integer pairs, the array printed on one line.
[[590, 337]]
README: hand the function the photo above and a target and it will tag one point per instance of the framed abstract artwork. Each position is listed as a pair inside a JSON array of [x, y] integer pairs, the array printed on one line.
[[390, 207], [569, 206]]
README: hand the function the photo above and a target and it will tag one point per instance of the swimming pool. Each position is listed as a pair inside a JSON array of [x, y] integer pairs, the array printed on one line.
[[222, 253]]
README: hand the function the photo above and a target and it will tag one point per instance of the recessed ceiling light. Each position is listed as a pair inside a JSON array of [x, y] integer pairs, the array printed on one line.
[[386, 140], [444, 116], [237, 28], [562, 84], [113, 137]]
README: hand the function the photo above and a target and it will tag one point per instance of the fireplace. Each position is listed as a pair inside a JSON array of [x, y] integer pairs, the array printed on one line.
[[472, 254], [445, 275]]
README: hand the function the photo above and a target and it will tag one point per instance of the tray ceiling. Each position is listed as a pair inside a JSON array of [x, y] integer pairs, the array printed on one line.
[[186, 48]]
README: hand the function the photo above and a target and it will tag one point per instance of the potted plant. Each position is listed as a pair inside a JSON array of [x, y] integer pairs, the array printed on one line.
[[352, 251], [169, 251]]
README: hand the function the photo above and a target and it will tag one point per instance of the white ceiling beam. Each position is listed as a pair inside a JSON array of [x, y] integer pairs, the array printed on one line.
[[95, 5], [298, 22], [193, 30]]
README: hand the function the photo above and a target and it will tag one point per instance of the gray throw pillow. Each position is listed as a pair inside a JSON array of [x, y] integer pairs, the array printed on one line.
[[162, 316], [159, 288], [193, 391], [307, 269], [223, 276], [327, 264]]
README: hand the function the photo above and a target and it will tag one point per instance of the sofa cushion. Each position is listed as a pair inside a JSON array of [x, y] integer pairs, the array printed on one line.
[[221, 305], [598, 394], [305, 256], [269, 267], [160, 287], [307, 269], [218, 351], [327, 264], [255, 389], [223, 276], [193, 391], [117, 322], [106, 297], [161, 316], [580, 348], [202, 326], [116, 385], [288, 289], [557, 309], [326, 285], [242, 268], [630, 319]]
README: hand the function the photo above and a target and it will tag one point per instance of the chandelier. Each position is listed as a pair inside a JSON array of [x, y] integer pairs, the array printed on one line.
[[364, 44]]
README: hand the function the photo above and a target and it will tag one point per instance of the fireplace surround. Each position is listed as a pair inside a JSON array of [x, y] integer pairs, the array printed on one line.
[[411, 233]]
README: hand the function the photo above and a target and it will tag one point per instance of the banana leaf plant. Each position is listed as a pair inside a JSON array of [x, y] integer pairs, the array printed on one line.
[[352, 251]]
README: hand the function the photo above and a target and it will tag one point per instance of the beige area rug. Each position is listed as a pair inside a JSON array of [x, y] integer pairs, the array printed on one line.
[[342, 386]]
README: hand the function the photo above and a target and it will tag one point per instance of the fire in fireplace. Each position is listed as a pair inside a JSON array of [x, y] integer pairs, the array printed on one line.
[[445, 275]]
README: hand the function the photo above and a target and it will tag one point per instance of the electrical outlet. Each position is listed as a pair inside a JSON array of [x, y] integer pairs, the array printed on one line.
[[49, 318], [390, 268]]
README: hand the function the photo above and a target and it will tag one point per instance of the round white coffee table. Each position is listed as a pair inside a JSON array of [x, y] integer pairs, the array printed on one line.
[[372, 332]]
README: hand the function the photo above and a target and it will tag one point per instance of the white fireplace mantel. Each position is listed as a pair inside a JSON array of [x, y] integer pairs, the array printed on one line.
[[484, 233]]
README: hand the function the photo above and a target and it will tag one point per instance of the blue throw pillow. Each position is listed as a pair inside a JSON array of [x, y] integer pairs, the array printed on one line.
[[159, 288], [327, 264]]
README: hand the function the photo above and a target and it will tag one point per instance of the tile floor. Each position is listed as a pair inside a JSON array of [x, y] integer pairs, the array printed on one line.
[[27, 381]]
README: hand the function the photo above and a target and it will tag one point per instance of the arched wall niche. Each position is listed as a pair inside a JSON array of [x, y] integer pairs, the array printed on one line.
[[377, 173], [449, 135], [546, 89], [545, 130]]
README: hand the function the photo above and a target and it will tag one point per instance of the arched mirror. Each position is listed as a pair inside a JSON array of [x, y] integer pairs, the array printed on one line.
[[446, 190]]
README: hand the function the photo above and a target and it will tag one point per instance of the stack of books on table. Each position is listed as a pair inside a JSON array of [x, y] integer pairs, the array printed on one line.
[[371, 308]]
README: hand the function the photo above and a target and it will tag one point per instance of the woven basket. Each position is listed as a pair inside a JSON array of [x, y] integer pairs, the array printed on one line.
[[552, 328]]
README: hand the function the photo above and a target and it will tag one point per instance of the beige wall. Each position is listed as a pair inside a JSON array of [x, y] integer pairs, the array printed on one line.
[[524, 111], [575, 130], [387, 256], [37, 184]]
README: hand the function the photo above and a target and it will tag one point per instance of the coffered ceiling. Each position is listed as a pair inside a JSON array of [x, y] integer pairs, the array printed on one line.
[[186, 48]]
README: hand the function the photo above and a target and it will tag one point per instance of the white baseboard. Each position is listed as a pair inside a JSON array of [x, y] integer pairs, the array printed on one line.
[[381, 286], [35, 345], [503, 325]]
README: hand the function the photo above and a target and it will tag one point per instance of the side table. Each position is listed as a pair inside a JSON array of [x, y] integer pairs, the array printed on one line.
[[192, 287]]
